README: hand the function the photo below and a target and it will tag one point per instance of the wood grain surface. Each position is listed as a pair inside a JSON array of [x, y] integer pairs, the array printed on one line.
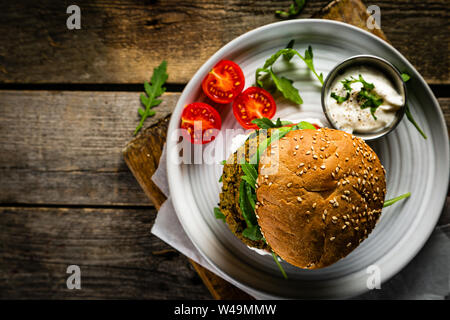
[[65, 147], [142, 155], [40, 151], [120, 41], [113, 248], [66, 194]]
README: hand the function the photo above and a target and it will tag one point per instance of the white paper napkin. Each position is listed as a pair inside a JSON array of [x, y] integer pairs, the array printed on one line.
[[427, 276]]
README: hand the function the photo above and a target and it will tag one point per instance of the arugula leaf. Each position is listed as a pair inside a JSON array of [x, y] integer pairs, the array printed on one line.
[[253, 233], [408, 113], [294, 9], [410, 117], [303, 125], [369, 100], [290, 45], [285, 86], [366, 85], [340, 99], [309, 62], [390, 202], [286, 51], [249, 181], [250, 171], [405, 77], [279, 123], [276, 135], [251, 196], [219, 215], [247, 199], [266, 123], [221, 177], [244, 204], [153, 90], [275, 257], [282, 123], [347, 83]]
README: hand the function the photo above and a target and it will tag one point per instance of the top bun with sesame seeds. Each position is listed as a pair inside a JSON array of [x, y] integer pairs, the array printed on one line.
[[319, 196]]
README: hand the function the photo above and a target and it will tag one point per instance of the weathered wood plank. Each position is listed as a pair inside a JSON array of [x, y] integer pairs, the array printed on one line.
[[350, 11], [118, 257], [445, 106], [142, 156], [66, 147], [122, 41]]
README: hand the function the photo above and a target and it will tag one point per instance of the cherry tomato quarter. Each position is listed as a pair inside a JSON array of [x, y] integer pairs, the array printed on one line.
[[224, 82], [201, 122], [251, 104]]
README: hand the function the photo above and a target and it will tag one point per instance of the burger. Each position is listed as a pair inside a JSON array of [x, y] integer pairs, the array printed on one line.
[[311, 197]]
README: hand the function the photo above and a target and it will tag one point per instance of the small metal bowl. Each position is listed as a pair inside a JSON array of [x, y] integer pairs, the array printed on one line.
[[376, 62]]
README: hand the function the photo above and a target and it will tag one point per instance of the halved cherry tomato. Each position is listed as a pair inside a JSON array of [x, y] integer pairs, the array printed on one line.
[[201, 122], [251, 104], [224, 82]]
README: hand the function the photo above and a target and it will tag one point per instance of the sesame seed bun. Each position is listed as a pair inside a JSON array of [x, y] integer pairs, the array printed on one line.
[[319, 196]]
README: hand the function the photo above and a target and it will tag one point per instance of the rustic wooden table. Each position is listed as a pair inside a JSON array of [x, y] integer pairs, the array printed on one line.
[[68, 101]]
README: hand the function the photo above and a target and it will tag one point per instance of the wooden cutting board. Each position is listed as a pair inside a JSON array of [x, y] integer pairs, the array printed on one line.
[[143, 152]]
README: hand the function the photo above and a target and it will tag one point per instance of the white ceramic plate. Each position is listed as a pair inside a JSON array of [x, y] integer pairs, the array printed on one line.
[[412, 163]]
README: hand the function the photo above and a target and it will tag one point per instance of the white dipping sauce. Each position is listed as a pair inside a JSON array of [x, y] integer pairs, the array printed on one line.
[[348, 116]]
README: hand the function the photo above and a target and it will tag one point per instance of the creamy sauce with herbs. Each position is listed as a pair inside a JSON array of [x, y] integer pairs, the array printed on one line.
[[348, 115]]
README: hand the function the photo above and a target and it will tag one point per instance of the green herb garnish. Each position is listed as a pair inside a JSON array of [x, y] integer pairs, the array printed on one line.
[[289, 56], [390, 202], [275, 257], [405, 77], [219, 215], [366, 96], [250, 173], [153, 91], [409, 116], [369, 100], [340, 99], [310, 63], [283, 84], [266, 123], [408, 113], [294, 9], [276, 135], [247, 206], [253, 233]]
